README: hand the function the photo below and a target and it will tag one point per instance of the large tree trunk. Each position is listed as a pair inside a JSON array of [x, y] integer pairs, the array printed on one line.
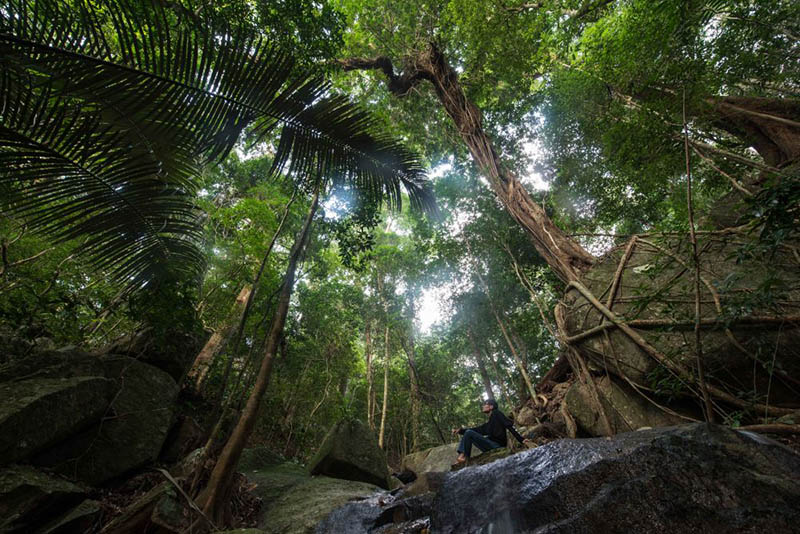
[[215, 495], [566, 257], [218, 339], [770, 125], [385, 386], [487, 383]]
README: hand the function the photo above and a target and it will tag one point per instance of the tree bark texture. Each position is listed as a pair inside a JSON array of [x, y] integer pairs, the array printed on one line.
[[218, 488], [202, 362], [565, 256], [770, 125]]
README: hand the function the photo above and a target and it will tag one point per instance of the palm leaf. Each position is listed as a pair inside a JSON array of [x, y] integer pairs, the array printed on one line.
[[111, 107]]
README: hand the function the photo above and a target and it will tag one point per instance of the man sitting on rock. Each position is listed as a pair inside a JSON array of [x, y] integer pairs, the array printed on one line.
[[488, 436]]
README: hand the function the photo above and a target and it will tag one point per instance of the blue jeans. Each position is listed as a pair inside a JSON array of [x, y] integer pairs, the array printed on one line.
[[471, 438]]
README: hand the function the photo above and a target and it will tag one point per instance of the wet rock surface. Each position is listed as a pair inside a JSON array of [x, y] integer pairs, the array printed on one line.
[[692, 478]]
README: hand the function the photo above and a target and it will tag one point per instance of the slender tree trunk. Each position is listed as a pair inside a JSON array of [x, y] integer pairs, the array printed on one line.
[[500, 378], [218, 339], [385, 386], [370, 393], [517, 359], [251, 297], [487, 383], [416, 396], [218, 488], [564, 255]]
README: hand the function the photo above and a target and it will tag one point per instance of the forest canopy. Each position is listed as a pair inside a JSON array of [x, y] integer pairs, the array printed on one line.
[[389, 210]]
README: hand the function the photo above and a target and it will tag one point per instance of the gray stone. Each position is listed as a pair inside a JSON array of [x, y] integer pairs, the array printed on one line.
[[427, 482], [691, 478], [293, 501], [133, 433], [436, 459], [184, 437], [380, 514], [173, 352], [38, 412], [300, 508], [626, 409], [29, 498], [485, 458], [350, 452]]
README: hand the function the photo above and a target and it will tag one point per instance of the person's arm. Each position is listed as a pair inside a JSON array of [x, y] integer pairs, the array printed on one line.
[[510, 426], [515, 433]]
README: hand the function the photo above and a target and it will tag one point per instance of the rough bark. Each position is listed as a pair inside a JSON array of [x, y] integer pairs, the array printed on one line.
[[218, 488], [566, 257], [770, 125], [201, 363]]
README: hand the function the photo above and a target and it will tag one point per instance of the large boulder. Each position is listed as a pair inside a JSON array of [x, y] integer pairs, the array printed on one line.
[[292, 501], [435, 459], [172, 352], [38, 412], [749, 342], [30, 498], [350, 452], [299, 509], [692, 478], [626, 410], [131, 433]]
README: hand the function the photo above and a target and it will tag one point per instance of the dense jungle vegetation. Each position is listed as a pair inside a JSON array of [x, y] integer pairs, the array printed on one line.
[[371, 209]]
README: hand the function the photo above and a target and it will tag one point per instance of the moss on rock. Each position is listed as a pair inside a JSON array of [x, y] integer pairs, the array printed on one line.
[[350, 451]]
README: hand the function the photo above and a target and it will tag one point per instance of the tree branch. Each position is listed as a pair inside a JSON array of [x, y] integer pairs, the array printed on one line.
[[400, 85]]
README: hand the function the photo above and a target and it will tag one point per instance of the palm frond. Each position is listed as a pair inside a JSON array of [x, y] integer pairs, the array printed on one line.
[[111, 107]]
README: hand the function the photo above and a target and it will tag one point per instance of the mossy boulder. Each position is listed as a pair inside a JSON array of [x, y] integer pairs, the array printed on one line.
[[350, 451], [299, 509], [172, 351], [750, 335], [626, 409], [29, 498], [273, 480], [293, 501], [435, 459], [132, 433], [39, 412]]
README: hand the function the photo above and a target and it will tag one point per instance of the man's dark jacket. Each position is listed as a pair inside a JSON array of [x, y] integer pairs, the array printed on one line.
[[495, 428]]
